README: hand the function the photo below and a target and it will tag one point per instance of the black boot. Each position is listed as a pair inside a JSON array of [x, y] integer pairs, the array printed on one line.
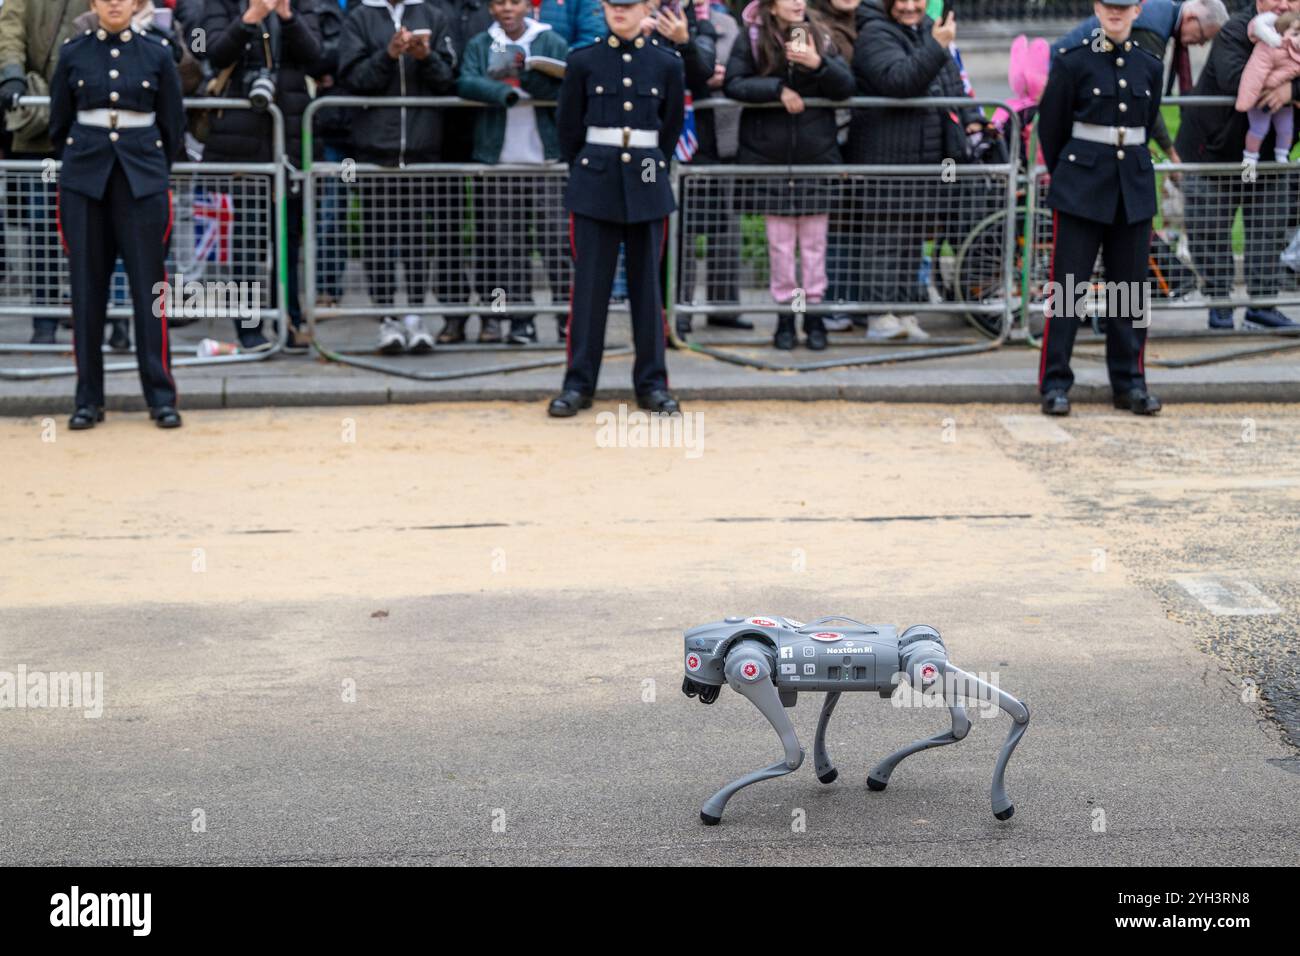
[[119, 340], [784, 338], [814, 330]]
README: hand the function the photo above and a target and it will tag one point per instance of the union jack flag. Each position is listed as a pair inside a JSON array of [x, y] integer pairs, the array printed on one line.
[[688, 142], [214, 214]]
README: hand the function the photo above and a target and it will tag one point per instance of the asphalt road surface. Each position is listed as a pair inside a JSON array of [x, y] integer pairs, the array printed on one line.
[[452, 634]]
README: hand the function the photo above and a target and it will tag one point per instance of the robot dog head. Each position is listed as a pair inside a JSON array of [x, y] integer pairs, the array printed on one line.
[[706, 650]]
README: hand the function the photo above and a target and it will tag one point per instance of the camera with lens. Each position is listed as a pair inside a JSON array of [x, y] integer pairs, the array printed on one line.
[[261, 89]]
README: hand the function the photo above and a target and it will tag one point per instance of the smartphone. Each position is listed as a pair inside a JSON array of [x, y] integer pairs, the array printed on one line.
[[422, 34]]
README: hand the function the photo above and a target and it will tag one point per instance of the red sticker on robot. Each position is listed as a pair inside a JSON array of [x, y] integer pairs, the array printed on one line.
[[692, 662], [749, 670], [762, 622], [928, 672], [827, 636]]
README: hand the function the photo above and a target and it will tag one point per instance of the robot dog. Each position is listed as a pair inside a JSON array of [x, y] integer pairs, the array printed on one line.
[[769, 660]]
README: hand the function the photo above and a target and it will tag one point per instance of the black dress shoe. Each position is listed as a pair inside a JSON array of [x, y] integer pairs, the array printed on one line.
[[1138, 401], [659, 400], [731, 322], [85, 417], [165, 416], [1056, 403], [118, 339], [683, 327], [567, 404], [815, 338]]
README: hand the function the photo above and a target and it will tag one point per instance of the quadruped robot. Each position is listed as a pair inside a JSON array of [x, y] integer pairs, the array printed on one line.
[[770, 659]]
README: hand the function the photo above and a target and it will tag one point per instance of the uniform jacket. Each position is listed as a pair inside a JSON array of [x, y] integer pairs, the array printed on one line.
[[475, 84], [1213, 134], [1118, 85], [146, 82], [395, 136], [190, 72], [893, 60], [638, 84], [1267, 67], [31, 35], [245, 134], [770, 134]]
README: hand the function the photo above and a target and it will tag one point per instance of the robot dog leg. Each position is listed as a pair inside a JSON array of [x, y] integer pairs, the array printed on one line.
[[748, 669], [924, 659], [826, 771]]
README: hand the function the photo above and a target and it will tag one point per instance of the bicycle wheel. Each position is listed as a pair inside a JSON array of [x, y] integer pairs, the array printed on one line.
[[978, 277]]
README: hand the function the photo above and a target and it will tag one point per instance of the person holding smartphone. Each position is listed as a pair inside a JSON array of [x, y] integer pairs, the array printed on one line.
[[785, 52]]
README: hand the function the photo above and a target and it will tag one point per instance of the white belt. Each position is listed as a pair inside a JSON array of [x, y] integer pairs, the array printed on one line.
[[1111, 135], [622, 136], [114, 119]]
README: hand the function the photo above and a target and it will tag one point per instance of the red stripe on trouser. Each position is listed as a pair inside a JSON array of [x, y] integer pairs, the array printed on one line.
[[166, 349], [1047, 311], [568, 325], [663, 244], [58, 224]]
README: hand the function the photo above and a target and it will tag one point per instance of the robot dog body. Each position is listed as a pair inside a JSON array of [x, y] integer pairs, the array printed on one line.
[[770, 659]]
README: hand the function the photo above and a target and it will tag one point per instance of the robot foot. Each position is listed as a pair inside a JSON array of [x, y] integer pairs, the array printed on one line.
[[829, 776], [1005, 814], [874, 784], [709, 819]]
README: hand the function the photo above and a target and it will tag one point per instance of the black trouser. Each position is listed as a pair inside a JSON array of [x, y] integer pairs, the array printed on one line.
[[95, 232], [1211, 204], [515, 216], [901, 215], [447, 203], [1124, 249], [393, 214], [595, 258]]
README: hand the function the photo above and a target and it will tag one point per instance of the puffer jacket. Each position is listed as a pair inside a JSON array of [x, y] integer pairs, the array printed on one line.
[[395, 136], [892, 60], [770, 134], [245, 135], [578, 22]]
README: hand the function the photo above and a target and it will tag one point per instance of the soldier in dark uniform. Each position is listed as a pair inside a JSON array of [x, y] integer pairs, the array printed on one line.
[[620, 114], [117, 122], [1102, 98]]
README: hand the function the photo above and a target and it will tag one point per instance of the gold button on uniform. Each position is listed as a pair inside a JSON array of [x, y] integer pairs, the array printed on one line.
[[1123, 83], [600, 89], [1123, 107], [112, 74], [626, 157], [1071, 157], [627, 57], [584, 160], [640, 42], [145, 84], [627, 107], [654, 90], [627, 81], [69, 140], [1119, 61], [114, 97], [158, 143], [115, 53], [113, 136], [1119, 154]]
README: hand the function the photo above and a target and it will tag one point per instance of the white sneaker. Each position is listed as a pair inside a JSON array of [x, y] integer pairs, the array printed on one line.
[[913, 329], [837, 323], [887, 326], [392, 336], [418, 339]]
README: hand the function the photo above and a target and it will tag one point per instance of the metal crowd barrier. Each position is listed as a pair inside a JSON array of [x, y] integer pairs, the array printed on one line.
[[468, 231], [229, 227], [1221, 230]]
